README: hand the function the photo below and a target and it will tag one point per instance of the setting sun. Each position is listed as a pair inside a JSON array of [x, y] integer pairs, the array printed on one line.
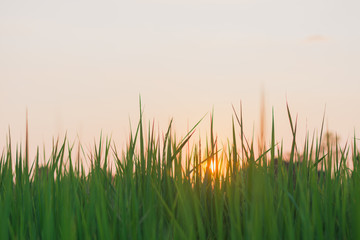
[[212, 167]]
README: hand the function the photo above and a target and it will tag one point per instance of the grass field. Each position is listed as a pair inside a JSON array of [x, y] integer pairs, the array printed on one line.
[[157, 190]]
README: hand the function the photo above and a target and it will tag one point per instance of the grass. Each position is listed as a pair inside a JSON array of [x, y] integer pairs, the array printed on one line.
[[157, 191]]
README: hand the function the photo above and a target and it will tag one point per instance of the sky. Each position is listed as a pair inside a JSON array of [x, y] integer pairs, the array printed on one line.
[[80, 66]]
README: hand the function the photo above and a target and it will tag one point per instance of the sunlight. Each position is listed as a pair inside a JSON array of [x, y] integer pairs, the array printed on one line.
[[212, 167]]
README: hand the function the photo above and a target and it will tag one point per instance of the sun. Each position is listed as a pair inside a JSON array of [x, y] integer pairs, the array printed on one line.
[[212, 167]]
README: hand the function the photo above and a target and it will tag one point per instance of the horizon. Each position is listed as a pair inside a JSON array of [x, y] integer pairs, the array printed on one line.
[[260, 141]]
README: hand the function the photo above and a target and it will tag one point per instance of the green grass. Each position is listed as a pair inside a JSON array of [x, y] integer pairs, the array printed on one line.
[[158, 191]]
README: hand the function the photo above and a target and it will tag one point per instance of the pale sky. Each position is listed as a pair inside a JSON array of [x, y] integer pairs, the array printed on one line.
[[80, 66]]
